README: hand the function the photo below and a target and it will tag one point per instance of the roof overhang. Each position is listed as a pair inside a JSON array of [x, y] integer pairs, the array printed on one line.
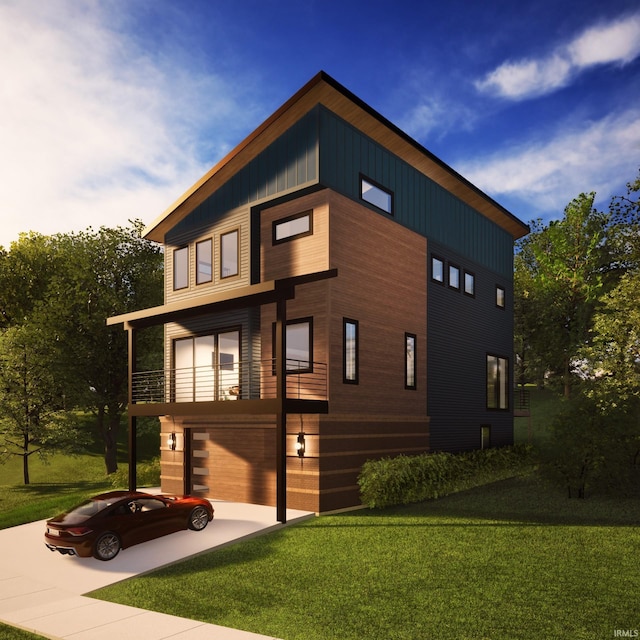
[[323, 89]]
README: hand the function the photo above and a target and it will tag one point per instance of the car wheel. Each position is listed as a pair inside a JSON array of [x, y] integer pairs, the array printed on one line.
[[107, 546], [198, 519]]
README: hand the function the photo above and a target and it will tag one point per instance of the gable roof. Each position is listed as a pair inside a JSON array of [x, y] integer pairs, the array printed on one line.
[[323, 89]]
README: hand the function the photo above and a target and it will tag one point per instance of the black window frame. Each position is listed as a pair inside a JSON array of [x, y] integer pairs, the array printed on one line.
[[472, 275], [377, 185], [294, 236], [500, 288], [414, 373], [456, 268], [501, 385], [356, 355], [289, 323], [436, 258]]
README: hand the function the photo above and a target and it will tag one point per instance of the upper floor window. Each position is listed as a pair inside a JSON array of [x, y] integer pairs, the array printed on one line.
[[500, 297], [204, 261], [376, 195], [181, 268], [410, 361], [497, 382], [299, 340], [437, 269], [229, 265], [469, 283], [296, 226], [350, 351], [454, 276]]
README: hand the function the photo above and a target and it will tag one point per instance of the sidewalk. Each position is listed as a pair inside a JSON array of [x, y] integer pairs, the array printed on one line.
[[42, 592]]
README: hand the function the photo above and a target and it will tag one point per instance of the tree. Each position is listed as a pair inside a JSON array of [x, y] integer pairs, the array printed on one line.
[[561, 271], [103, 273], [32, 416]]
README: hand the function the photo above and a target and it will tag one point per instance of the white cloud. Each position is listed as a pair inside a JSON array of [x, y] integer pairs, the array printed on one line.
[[95, 130], [602, 156], [614, 42]]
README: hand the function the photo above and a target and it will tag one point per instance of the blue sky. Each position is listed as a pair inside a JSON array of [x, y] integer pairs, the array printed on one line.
[[111, 109]]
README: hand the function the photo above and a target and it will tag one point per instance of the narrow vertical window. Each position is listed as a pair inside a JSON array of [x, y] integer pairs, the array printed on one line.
[[500, 297], [410, 361], [485, 436], [181, 268], [497, 382], [469, 284], [229, 254], [437, 269], [204, 261], [350, 351], [454, 276], [299, 339]]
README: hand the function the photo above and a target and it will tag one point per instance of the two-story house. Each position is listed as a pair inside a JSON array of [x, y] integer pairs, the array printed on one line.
[[333, 293]]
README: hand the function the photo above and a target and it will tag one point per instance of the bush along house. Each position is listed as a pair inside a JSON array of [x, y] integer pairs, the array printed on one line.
[[334, 293]]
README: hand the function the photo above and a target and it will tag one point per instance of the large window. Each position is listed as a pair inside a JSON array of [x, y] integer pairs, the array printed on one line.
[[204, 261], [296, 226], [229, 254], [181, 268], [299, 339], [376, 195], [497, 382], [410, 361], [350, 351]]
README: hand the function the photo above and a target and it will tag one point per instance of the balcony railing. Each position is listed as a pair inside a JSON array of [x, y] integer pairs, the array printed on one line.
[[251, 380]]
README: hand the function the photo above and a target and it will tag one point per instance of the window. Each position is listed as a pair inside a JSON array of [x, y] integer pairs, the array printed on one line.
[[469, 284], [497, 382], [299, 339], [295, 226], [437, 269], [454, 276], [229, 254], [409, 361], [376, 195], [485, 436], [181, 268], [350, 351], [204, 261], [500, 297]]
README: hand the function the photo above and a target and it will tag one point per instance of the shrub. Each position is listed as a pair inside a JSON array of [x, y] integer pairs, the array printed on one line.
[[147, 475], [406, 479]]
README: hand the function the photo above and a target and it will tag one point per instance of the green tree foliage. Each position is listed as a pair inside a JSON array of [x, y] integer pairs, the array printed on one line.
[[32, 416], [67, 286]]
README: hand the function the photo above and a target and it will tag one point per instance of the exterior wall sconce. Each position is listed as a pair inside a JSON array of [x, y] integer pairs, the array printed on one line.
[[173, 441], [300, 445]]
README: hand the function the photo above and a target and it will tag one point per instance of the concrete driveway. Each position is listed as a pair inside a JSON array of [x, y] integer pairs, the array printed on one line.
[[44, 591]]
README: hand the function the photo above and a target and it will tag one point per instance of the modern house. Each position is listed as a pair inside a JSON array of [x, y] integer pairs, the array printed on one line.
[[333, 293]]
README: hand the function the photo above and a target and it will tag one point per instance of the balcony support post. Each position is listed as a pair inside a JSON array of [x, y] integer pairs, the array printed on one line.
[[133, 436], [281, 416]]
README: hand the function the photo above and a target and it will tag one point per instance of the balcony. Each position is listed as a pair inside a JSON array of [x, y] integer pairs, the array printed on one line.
[[250, 386]]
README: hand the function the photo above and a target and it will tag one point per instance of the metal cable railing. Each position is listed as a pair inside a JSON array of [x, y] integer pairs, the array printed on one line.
[[250, 380]]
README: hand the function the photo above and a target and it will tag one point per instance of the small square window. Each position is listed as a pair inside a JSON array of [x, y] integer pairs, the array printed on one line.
[[500, 297], [469, 284], [376, 195], [454, 276], [437, 269]]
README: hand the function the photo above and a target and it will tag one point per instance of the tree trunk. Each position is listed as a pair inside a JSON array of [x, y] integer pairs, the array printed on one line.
[[109, 439], [25, 459]]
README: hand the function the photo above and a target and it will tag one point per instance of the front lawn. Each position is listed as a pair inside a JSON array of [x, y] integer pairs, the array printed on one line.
[[511, 560]]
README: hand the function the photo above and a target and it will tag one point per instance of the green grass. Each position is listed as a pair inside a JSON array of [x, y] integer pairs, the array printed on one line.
[[11, 633], [511, 560]]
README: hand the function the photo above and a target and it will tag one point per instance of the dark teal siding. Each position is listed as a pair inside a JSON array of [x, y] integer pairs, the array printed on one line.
[[419, 203]]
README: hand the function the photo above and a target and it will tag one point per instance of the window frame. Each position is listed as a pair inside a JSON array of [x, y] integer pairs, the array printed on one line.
[[378, 187], [414, 372], [498, 389], [237, 271], [199, 244], [308, 320], [436, 258], [296, 216], [346, 360], [501, 304], [451, 266], [177, 251], [472, 275]]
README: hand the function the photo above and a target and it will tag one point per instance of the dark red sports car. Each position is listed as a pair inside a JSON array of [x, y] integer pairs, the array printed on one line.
[[103, 525]]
